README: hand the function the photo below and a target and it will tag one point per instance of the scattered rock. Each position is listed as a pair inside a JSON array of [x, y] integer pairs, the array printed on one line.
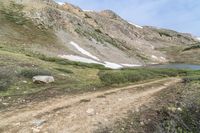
[[43, 79], [91, 111], [38, 123], [174, 109]]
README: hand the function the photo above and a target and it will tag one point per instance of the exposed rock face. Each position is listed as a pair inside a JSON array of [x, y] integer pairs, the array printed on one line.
[[105, 34]]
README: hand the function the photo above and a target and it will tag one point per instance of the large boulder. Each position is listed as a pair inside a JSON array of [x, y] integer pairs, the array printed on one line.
[[43, 79]]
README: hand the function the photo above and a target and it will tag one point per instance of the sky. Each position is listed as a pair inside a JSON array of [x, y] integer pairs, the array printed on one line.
[[179, 15]]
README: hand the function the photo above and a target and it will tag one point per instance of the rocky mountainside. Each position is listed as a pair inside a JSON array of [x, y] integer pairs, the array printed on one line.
[[66, 31]]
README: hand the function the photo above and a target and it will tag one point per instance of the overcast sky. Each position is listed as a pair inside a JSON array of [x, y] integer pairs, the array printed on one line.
[[180, 15]]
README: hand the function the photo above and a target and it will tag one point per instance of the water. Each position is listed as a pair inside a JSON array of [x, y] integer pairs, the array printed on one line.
[[178, 66]]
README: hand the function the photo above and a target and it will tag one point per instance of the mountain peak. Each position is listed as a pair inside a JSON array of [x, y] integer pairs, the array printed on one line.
[[109, 13]]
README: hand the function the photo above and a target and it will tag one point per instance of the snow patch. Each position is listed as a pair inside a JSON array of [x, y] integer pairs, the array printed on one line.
[[87, 60], [60, 3], [112, 65], [131, 65], [138, 26], [88, 10], [79, 59], [198, 38], [83, 51]]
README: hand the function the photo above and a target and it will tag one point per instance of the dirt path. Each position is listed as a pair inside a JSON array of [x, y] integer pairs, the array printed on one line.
[[80, 113]]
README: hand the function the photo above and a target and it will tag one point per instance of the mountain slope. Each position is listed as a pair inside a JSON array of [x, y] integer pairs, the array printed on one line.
[[52, 29]]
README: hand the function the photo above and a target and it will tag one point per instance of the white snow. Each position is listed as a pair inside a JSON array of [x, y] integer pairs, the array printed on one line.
[[131, 65], [83, 51], [79, 59], [60, 3], [112, 65], [198, 38], [88, 10], [138, 26], [87, 60]]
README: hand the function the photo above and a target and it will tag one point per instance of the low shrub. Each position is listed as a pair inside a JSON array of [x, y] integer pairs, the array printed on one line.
[[134, 75], [31, 72]]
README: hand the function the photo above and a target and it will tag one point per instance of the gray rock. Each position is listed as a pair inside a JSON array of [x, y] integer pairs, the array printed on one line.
[[43, 79], [91, 111], [38, 123]]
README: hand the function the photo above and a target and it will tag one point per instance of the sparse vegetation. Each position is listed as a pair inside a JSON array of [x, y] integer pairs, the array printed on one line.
[[196, 46], [162, 33], [14, 13]]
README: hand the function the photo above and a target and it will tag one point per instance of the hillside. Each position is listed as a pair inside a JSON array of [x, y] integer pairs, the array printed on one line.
[[104, 38]]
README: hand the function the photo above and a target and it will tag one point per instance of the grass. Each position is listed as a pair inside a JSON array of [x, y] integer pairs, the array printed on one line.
[[23, 68], [64, 70], [31, 72], [135, 75], [5, 79]]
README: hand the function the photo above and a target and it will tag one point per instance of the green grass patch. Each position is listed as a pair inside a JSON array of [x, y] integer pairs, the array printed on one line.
[[135, 75], [31, 72], [64, 70]]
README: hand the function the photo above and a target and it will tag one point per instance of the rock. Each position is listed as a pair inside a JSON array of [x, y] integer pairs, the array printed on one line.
[[17, 124], [5, 104], [119, 99], [180, 109], [25, 81], [43, 79], [38, 123], [91, 111], [142, 123], [35, 130]]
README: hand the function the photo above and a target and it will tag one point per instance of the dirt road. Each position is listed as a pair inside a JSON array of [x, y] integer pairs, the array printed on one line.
[[82, 113]]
